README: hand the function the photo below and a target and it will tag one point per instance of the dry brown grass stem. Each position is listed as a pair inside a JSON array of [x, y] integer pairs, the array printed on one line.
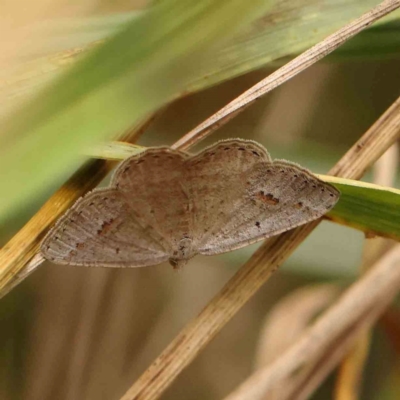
[[285, 73], [298, 309], [16, 255], [18, 252], [329, 337], [351, 369], [385, 169], [289, 319], [347, 386], [252, 275]]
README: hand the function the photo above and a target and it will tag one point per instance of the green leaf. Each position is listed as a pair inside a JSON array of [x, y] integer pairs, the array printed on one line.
[[370, 208], [114, 150], [149, 62], [285, 30], [379, 42]]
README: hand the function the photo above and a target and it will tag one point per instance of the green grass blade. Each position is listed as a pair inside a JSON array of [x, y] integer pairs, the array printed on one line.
[[114, 150], [146, 64], [287, 29], [379, 42], [371, 208]]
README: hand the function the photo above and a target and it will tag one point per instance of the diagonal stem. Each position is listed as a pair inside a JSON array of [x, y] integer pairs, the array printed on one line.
[[285, 73]]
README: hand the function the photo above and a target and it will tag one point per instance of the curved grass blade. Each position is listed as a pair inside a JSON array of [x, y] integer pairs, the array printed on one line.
[[114, 150]]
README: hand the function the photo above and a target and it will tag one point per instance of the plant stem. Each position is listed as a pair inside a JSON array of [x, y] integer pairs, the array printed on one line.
[[285, 73]]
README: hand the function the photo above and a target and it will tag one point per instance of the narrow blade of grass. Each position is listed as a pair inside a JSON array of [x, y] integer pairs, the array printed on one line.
[[371, 208]]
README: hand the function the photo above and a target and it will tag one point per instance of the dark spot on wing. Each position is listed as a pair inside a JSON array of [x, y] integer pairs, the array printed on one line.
[[105, 227], [267, 198]]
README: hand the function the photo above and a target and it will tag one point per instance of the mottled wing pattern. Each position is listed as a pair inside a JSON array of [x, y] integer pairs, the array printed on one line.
[[101, 230], [274, 197], [154, 186], [214, 180]]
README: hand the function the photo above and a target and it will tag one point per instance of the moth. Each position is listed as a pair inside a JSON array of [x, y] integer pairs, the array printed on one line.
[[166, 204]]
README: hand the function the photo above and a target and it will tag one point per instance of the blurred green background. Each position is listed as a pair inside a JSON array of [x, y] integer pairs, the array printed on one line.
[[76, 333]]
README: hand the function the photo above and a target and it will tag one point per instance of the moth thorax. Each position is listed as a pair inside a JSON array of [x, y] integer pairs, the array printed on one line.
[[183, 253]]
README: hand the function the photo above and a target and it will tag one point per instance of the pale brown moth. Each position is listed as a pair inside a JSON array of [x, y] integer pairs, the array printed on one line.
[[166, 204]]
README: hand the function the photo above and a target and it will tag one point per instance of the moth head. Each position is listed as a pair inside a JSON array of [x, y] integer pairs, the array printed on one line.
[[178, 264]]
